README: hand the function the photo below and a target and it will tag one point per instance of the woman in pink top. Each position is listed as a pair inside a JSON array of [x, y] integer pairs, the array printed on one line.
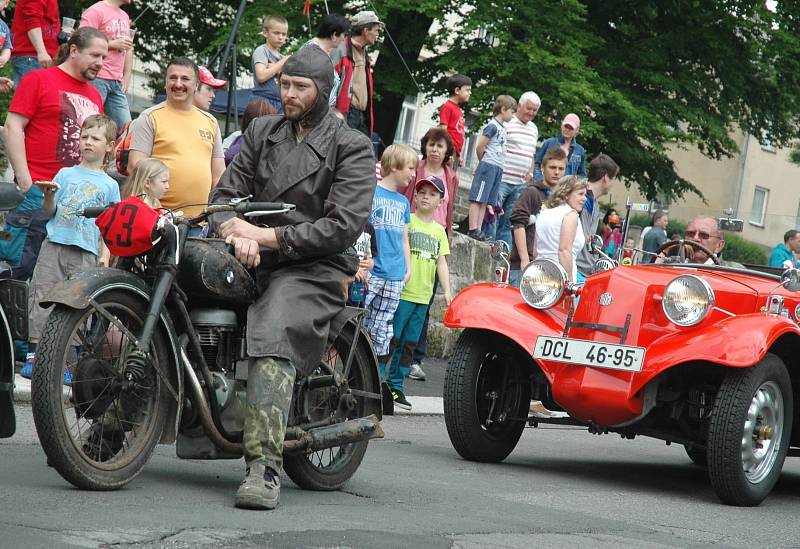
[[437, 148]]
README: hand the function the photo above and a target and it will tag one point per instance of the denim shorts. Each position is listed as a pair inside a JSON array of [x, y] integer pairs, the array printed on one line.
[[486, 183]]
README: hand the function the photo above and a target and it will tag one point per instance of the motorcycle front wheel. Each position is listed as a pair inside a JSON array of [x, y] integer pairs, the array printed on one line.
[[99, 431], [330, 468]]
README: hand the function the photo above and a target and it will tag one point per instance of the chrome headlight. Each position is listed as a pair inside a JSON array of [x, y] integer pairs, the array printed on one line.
[[542, 283], [687, 300]]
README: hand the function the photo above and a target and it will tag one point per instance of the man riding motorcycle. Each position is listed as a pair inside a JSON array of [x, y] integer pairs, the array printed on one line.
[[304, 260]]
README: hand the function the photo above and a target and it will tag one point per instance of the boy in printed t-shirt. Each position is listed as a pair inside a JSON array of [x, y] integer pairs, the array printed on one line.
[[491, 151], [451, 117], [391, 214], [429, 248], [73, 242]]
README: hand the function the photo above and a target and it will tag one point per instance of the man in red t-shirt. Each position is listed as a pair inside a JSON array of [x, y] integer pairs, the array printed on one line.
[[35, 33], [451, 117], [42, 132]]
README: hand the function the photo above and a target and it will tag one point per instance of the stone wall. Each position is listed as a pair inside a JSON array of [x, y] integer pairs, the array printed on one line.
[[469, 262]]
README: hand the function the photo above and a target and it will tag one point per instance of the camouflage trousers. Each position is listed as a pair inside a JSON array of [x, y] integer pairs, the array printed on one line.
[[270, 381]]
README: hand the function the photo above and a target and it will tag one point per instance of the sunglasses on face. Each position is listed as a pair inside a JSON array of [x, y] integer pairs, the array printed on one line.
[[699, 235]]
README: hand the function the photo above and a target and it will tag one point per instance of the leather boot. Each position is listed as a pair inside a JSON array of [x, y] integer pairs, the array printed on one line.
[[260, 489]]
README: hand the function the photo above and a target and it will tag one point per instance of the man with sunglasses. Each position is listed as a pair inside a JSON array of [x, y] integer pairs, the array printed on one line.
[[705, 230]]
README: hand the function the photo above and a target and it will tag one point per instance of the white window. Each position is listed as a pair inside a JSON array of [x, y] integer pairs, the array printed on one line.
[[766, 141], [405, 125], [759, 209]]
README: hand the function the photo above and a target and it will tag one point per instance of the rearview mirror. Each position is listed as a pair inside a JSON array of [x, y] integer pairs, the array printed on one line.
[[790, 279], [731, 225], [499, 250]]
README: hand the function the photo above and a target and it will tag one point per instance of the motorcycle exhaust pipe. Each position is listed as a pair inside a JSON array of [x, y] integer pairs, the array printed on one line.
[[353, 430], [339, 434]]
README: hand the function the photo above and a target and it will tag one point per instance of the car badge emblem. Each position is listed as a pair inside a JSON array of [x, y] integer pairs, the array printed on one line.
[[606, 298], [229, 277]]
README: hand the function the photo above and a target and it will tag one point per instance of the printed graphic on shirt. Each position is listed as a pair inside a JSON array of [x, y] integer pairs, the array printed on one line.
[[74, 198], [75, 108], [206, 136], [116, 28], [387, 212], [362, 245], [424, 246]]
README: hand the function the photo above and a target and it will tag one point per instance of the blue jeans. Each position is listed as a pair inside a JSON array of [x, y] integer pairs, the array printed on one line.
[[507, 197], [408, 321], [22, 65], [115, 102]]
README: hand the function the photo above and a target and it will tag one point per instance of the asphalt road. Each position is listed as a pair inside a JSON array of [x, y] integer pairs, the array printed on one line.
[[562, 487]]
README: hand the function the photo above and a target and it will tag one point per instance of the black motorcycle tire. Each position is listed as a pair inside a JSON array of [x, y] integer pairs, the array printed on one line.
[[67, 455], [302, 468]]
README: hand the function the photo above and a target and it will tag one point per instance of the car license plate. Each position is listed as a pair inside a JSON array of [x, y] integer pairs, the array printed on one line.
[[590, 353]]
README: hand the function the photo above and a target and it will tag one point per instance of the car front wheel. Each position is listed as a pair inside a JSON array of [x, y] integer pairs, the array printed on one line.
[[749, 432], [486, 397]]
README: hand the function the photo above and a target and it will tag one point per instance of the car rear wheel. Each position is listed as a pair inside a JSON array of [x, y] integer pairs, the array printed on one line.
[[749, 432], [486, 397]]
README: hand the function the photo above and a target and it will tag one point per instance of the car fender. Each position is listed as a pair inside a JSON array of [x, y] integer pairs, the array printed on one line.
[[500, 308], [735, 342], [78, 291]]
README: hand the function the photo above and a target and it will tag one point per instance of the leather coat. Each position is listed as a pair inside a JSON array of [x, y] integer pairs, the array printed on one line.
[[330, 177]]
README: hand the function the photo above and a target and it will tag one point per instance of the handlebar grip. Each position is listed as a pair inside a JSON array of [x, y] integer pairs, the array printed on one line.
[[247, 207], [95, 211]]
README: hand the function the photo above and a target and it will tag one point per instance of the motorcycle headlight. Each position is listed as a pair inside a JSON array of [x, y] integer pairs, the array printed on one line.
[[687, 300], [542, 283]]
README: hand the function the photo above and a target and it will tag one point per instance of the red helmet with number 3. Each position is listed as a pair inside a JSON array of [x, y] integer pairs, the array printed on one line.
[[129, 227]]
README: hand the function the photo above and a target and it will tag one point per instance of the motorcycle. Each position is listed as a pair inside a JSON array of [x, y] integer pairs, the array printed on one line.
[[13, 319], [156, 349]]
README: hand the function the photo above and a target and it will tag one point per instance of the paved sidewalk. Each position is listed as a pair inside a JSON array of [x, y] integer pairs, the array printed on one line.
[[425, 396]]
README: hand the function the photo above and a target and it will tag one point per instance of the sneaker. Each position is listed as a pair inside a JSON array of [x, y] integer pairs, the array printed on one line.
[[537, 409], [400, 400], [417, 373], [476, 234], [27, 368], [260, 489]]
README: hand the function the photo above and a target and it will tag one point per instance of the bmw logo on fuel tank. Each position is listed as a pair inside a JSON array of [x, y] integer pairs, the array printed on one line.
[[229, 277]]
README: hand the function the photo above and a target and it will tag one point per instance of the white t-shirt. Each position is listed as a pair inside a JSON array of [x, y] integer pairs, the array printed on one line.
[[520, 149], [548, 235]]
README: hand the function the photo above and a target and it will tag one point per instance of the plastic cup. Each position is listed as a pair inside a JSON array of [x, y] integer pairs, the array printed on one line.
[[67, 24], [131, 34]]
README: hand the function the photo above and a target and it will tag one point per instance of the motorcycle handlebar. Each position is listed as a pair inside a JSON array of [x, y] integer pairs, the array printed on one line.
[[94, 211]]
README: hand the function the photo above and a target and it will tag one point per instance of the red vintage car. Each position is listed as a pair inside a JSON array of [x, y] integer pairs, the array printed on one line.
[[700, 355]]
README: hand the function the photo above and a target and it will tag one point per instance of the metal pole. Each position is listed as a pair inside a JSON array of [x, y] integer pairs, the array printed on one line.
[[229, 45]]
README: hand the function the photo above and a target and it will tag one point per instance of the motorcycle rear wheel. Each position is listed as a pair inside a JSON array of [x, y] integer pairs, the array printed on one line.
[[331, 468], [96, 434]]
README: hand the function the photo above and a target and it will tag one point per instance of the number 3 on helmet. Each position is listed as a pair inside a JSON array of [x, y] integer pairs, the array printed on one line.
[[129, 227]]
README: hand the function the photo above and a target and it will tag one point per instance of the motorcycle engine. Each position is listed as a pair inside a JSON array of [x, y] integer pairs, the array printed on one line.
[[217, 331]]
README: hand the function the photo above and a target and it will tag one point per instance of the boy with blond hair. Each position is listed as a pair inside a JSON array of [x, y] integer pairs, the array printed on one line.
[[491, 151], [268, 60], [391, 214]]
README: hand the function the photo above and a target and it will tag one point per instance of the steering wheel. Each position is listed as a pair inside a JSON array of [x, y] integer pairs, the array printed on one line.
[[682, 246]]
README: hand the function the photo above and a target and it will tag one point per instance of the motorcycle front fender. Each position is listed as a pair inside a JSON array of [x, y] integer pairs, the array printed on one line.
[[77, 292]]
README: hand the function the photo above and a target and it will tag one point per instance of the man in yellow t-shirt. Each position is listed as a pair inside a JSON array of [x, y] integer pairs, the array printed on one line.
[[184, 137]]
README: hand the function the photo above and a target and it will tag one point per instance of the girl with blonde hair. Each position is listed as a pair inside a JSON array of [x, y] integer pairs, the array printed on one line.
[[559, 235], [149, 180]]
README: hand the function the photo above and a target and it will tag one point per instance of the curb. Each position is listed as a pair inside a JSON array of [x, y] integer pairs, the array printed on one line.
[[420, 406]]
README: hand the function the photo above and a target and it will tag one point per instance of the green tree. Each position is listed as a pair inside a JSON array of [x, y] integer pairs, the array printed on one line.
[[642, 74]]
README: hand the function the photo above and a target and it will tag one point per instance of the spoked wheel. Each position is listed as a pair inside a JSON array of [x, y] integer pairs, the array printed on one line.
[[101, 430], [330, 468], [749, 432], [486, 398]]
